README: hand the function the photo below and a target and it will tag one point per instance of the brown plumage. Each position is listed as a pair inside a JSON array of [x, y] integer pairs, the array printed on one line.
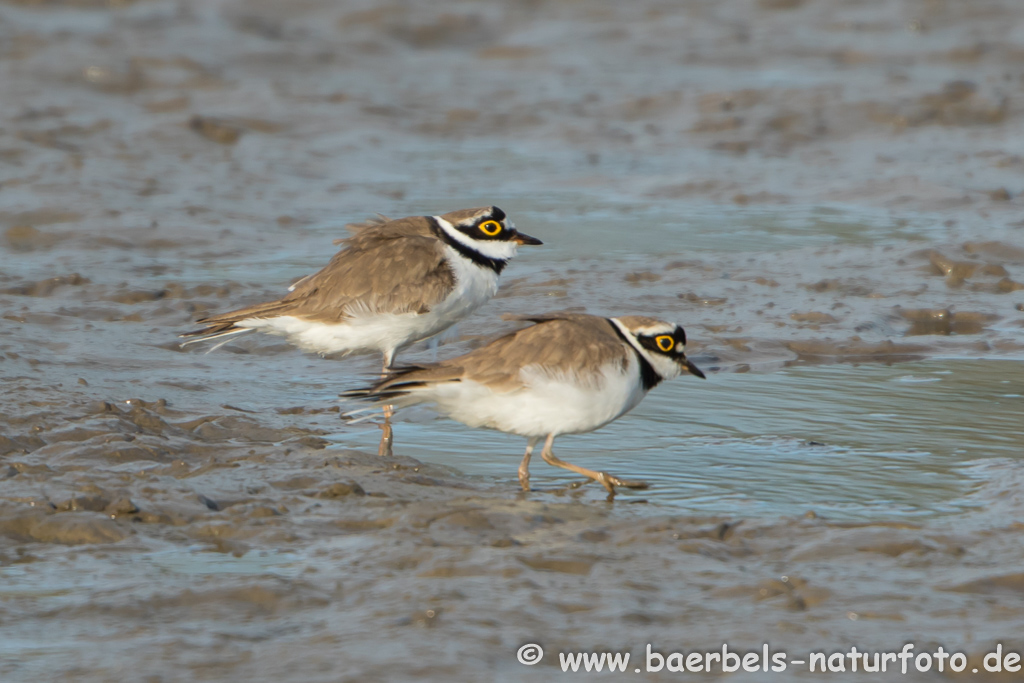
[[559, 343], [392, 284], [385, 267], [568, 374]]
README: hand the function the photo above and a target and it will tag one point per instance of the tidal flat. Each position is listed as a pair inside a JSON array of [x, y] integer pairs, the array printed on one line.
[[826, 194]]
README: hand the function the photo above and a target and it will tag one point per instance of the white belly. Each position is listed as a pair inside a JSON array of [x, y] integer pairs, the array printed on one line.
[[544, 405], [387, 332]]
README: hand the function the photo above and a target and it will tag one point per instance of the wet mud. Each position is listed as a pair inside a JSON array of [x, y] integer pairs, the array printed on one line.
[[808, 186]]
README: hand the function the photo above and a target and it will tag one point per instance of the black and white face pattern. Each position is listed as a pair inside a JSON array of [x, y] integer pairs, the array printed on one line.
[[493, 226], [488, 239], [672, 345], [661, 348]]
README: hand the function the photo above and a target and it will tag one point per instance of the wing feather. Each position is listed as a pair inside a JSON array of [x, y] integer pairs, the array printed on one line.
[[574, 347], [408, 274], [385, 267]]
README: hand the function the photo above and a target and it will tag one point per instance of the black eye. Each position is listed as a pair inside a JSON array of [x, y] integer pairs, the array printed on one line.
[[665, 342], [491, 227]]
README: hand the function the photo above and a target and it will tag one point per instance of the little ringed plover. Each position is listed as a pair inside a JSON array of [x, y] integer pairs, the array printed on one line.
[[394, 283], [567, 374]]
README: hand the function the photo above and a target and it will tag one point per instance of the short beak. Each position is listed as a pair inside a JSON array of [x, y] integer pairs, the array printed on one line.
[[520, 238], [693, 369]]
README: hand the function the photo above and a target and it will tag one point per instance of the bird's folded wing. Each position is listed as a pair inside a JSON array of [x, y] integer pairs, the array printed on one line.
[[408, 274], [578, 351], [403, 275], [577, 348]]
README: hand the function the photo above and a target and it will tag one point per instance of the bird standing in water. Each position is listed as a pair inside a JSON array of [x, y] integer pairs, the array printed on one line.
[[394, 283], [567, 374]]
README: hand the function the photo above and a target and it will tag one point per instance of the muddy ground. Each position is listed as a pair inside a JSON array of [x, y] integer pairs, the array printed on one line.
[[804, 181]]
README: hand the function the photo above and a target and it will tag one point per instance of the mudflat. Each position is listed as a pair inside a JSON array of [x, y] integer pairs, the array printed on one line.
[[825, 193]]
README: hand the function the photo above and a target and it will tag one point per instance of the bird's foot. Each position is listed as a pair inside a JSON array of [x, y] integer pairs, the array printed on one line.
[[630, 483], [609, 482]]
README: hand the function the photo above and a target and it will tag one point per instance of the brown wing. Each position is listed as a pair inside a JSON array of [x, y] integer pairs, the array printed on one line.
[[560, 345], [386, 268], [407, 274], [573, 343]]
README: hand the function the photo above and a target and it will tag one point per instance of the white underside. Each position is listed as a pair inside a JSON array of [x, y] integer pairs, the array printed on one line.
[[368, 330], [544, 405]]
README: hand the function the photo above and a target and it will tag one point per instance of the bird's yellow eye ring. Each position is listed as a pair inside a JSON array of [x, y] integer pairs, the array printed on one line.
[[665, 342], [490, 228]]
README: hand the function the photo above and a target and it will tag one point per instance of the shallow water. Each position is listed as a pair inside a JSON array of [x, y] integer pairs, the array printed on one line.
[[901, 436], [903, 440]]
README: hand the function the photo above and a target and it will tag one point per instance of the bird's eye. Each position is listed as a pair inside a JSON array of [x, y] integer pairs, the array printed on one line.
[[665, 342], [490, 228]]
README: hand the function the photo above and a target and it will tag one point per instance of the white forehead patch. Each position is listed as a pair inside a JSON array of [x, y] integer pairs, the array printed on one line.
[[654, 330]]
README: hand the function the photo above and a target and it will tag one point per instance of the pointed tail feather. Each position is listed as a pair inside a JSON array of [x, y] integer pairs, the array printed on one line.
[[224, 325], [379, 395], [361, 415], [225, 321], [209, 334], [397, 388]]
